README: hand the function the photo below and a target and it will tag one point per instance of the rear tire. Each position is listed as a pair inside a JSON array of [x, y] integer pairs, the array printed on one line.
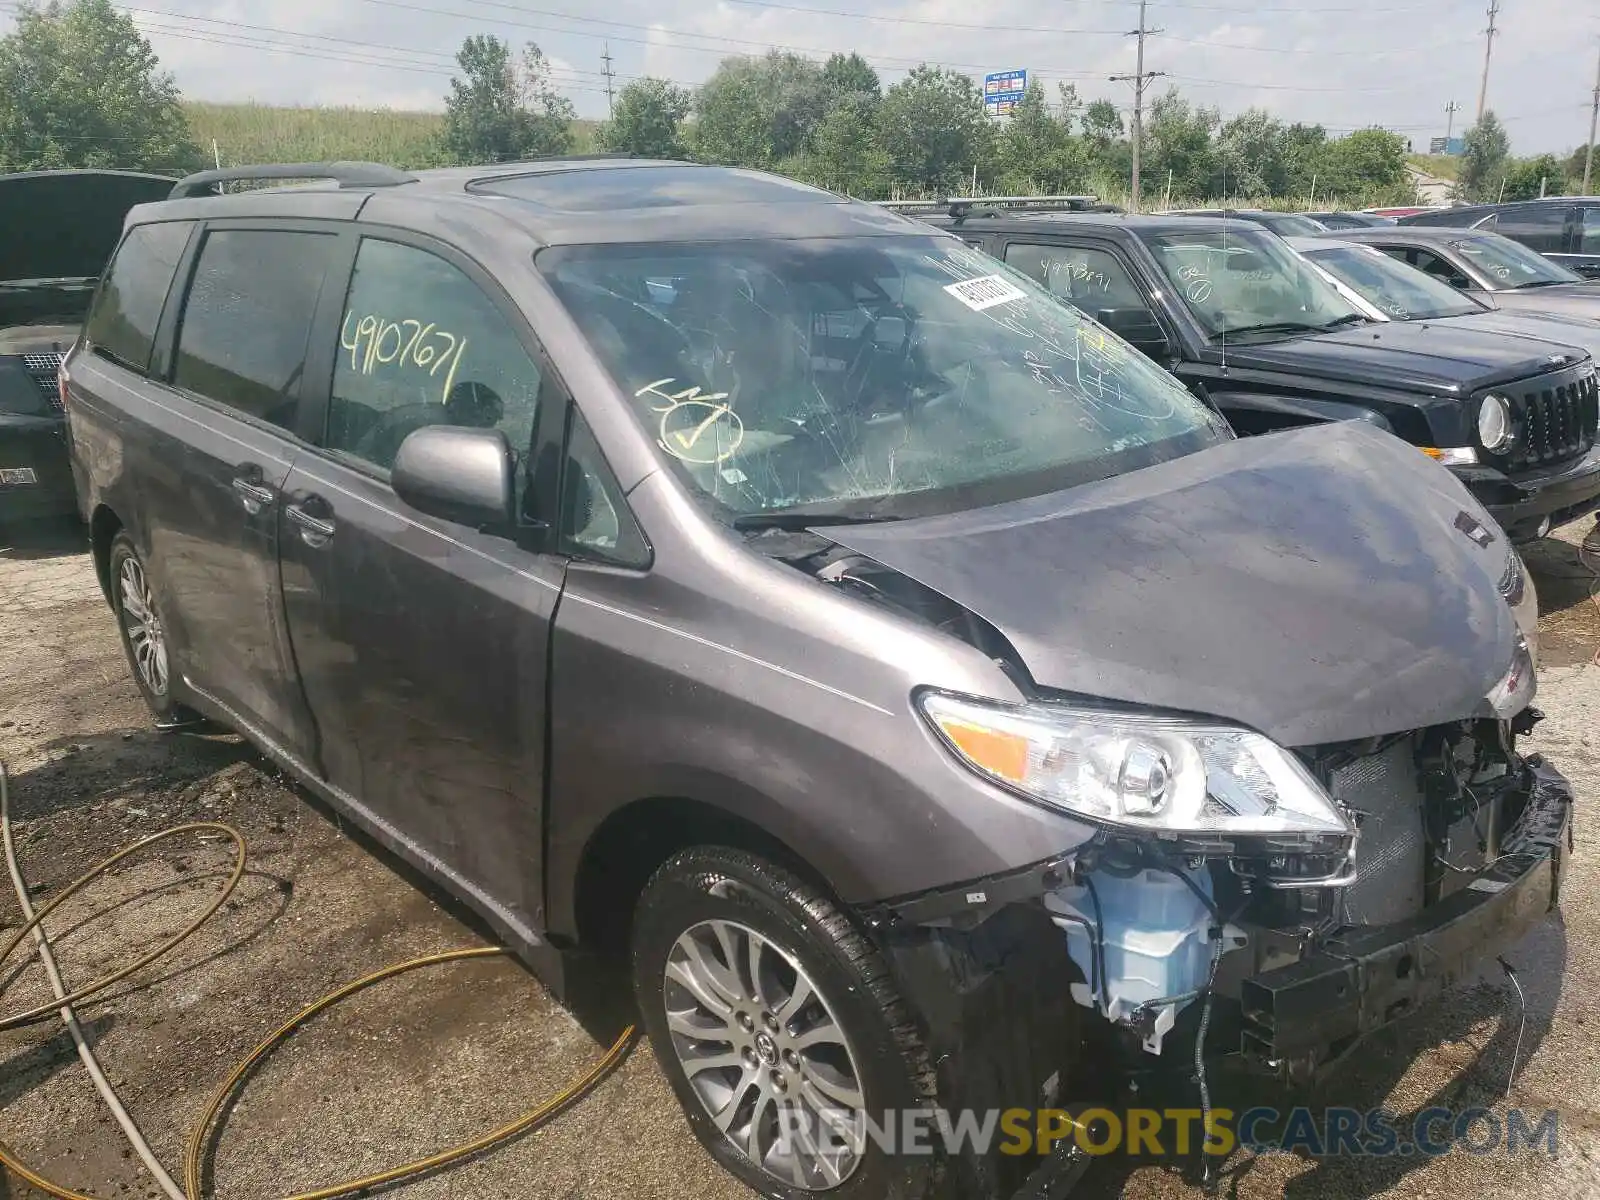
[[764, 1004], [145, 639]]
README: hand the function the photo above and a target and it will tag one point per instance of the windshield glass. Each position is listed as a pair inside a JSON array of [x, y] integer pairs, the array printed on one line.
[[1509, 264], [1248, 282], [867, 376], [1403, 292]]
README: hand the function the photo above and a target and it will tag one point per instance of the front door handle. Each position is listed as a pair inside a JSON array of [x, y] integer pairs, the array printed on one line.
[[253, 494], [314, 531]]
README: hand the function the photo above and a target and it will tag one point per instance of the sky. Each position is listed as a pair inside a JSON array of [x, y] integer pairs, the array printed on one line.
[[1343, 64]]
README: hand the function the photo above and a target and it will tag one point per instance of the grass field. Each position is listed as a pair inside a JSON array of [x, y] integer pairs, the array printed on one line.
[[264, 133]]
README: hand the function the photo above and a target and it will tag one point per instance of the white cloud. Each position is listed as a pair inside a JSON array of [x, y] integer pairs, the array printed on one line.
[[1341, 63]]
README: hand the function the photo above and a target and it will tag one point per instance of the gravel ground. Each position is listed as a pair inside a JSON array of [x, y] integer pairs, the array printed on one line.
[[437, 1056]]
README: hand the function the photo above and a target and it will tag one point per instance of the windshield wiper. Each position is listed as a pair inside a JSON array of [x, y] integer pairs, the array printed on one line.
[[803, 516], [1273, 327], [1347, 319]]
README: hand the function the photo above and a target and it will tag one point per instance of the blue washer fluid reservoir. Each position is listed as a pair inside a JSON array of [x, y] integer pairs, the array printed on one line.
[[1156, 934]]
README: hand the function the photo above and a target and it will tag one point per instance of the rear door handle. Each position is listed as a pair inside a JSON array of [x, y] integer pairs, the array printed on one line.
[[314, 531], [254, 495]]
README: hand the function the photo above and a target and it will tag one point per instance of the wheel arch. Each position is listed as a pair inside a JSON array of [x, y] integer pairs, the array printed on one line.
[[632, 843], [104, 525]]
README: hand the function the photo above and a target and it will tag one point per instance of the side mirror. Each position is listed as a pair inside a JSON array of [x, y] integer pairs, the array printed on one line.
[[459, 474], [1136, 326]]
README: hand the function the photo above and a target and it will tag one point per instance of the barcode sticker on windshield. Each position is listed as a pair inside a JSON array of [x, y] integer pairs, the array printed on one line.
[[985, 292]]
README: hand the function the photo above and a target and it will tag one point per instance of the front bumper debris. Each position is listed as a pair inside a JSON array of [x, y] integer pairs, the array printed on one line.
[[1299, 1020]]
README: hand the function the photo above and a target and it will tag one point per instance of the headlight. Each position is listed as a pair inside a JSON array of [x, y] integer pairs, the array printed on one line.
[[1156, 773], [1515, 690], [1494, 423]]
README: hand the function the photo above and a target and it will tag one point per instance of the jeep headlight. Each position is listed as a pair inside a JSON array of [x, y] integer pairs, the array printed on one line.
[[1130, 769], [1494, 423]]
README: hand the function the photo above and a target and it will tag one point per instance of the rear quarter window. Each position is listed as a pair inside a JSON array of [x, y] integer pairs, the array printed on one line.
[[127, 309]]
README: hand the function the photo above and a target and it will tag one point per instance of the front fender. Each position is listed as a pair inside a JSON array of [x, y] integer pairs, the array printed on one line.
[[1298, 409]]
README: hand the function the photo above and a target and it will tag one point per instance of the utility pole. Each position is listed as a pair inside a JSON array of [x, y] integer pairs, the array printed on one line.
[[1450, 111], [1488, 49], [1594, 117], [606, 58], [1138, 78]]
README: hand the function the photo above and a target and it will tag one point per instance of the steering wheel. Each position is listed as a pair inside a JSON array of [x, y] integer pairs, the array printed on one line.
[[381, 442]]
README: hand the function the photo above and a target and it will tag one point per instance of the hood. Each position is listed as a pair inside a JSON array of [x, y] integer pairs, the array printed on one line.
[[64, 224], [1564, 330], [1320, 585], [1411, 355], [1567, 299]]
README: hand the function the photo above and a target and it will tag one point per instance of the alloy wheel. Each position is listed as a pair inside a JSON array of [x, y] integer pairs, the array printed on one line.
[[145, 634], [764, 1054]]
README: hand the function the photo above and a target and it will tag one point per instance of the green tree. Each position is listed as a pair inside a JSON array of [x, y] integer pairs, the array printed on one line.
[[1304, 148], [80, 87], [1178, 139], [648, 119], [755, 112], [1483, 160], [847, 157], [1035, 151], [1252, 148], [1369, 164], [933, 128], [504, 110], [846, 75], [1526, 176]]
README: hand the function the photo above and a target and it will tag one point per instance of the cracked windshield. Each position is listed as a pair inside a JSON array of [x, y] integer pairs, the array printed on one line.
[[1250, 284], [825, 375]]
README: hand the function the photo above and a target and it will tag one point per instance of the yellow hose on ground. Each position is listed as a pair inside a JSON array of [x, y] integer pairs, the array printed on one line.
[[195, 1153]]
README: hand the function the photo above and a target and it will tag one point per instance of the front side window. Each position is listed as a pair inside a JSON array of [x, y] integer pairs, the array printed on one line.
[[1435, 266], [1541, 227], [1403, 292], [247, 319], [1247, 283], [122, 325], [1088, 279], [1589, 238], [1509, 265], [866, 375], [421, 344]]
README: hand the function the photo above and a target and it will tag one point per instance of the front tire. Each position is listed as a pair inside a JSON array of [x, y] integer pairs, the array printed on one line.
[[779, 1028]]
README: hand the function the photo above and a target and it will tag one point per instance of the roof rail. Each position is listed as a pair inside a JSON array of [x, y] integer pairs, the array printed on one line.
[[962, 207], [345, 174]]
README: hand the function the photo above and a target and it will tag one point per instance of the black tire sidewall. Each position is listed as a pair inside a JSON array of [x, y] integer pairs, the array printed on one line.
[[165, 707], [712, 884]]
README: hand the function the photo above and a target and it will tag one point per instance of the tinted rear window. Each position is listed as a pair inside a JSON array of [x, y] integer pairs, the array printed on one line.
[[122, 326], [248, 319], [612, 188]]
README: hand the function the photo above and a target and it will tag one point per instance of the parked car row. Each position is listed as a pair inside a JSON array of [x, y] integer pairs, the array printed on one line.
[[870, 628], [1270, 343]]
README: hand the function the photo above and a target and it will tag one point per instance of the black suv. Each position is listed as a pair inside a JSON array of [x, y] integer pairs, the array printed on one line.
[[914, 684], [1563, 228], [57, 228], [1266, 340]]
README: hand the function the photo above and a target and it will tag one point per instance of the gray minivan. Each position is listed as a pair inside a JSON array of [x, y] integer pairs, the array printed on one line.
[[914, 682]]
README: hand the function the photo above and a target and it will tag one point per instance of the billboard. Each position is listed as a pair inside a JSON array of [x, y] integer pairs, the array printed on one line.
[[1002, 90], [1453, 145]]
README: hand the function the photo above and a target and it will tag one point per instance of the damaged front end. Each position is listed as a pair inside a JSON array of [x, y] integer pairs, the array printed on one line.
[[1453, 849]]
